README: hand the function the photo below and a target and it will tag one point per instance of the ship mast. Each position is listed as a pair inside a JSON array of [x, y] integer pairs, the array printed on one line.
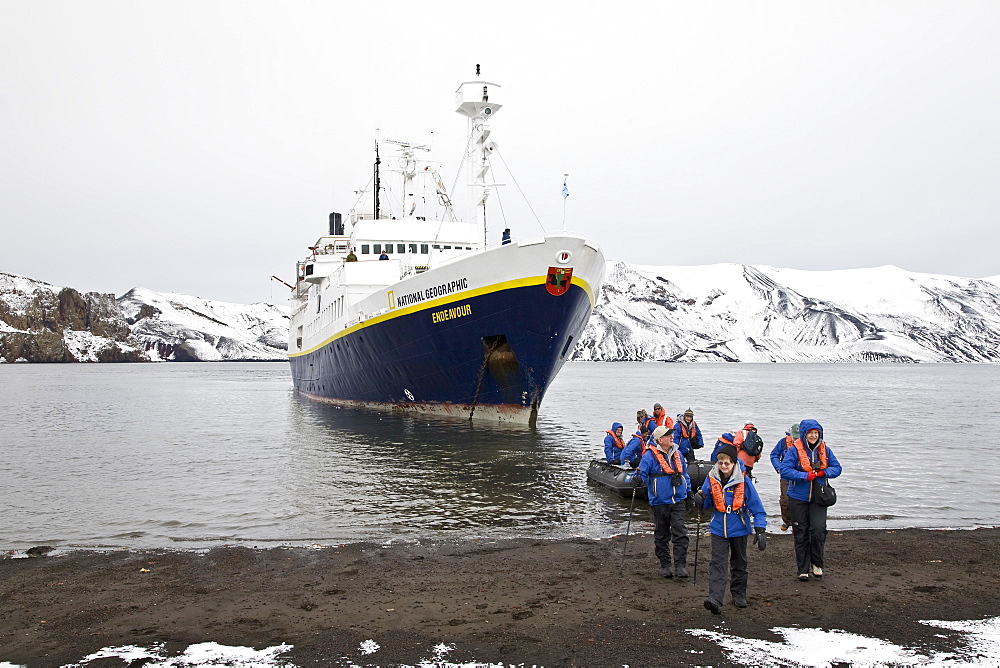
[[473, 101]]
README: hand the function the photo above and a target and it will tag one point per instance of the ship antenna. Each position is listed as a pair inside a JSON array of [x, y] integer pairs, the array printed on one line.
[[378, 182], [477, 69]]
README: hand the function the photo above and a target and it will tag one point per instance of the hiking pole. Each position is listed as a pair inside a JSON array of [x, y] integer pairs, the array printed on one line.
[[627, 527], [697, 540]]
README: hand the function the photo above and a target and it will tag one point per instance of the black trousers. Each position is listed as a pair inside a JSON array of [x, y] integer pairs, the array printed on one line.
[[670, 528], [809, 530], [729, 564]]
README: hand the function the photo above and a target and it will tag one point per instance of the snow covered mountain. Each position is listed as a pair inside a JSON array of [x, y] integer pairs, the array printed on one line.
[[182, 328], [40, 322], [724, 312], [746, 313]]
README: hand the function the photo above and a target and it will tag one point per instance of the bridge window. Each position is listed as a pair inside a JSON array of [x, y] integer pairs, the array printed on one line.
[[377, 248], [413, 248], [364, 249], [423, 249], [400, 248]]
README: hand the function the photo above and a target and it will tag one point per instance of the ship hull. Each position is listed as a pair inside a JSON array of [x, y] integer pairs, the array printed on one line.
[[487, 353]]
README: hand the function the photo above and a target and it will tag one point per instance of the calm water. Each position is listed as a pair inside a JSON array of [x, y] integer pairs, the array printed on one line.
[[191, 455]]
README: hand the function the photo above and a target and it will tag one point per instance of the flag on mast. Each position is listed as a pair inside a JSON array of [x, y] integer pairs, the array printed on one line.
[[565, 189]]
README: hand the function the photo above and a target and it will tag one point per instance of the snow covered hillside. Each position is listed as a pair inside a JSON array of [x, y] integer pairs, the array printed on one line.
[[724, 312], [40, 322], [746, 313]]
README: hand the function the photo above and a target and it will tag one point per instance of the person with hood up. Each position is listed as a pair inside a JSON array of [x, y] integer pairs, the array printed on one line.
[[636, 447], [722, 441], [687, 435], [737, 512], [741, 435], [661, 417], [665, 474], [809, 462], [613, 443], [777, 454]]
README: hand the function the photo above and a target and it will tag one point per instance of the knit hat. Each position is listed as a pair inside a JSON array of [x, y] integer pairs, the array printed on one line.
[[727, 450], [689, 412]]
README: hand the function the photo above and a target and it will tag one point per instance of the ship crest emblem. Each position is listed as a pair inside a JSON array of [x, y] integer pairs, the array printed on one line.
[[559, 280]]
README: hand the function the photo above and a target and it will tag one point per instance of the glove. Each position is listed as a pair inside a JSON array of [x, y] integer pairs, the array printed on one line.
[[699, 500], [821, 474], [811, 476], [676, 479], [760, 538], [637, 481], [689, 501]]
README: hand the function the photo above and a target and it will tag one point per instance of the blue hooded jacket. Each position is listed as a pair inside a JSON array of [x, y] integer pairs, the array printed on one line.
[[778, 453], [659, 485], [799, 486], [734, 524], [719, 443], [612, 453], [633, 449]]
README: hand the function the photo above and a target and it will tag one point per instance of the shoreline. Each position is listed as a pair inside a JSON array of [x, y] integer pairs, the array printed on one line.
[[511, 601]]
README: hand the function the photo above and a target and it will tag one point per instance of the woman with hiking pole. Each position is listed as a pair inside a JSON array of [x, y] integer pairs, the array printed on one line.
[[737, 512]]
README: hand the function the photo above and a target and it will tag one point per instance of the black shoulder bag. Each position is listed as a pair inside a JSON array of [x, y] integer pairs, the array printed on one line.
[[823, 493]]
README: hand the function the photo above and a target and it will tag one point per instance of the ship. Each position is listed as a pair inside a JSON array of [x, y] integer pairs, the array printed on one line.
[[413, 310]]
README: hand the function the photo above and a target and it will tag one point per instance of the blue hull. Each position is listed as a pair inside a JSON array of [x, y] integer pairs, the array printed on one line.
[[495, 353]]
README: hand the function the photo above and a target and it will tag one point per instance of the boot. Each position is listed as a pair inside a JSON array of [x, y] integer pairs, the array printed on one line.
[[739, 600], [680, 570], [716, 608], [666, 572]]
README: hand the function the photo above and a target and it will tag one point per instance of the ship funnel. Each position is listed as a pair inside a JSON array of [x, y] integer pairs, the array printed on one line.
[[336, 225]]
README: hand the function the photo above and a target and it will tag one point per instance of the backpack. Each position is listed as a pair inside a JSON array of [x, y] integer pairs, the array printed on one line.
[[752, 445]]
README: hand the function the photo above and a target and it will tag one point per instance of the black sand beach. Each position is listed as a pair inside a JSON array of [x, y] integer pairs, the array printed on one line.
[[532, 602]]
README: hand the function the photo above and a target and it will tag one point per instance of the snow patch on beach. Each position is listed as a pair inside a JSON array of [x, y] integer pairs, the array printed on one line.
[[201, 654], [821, 648]]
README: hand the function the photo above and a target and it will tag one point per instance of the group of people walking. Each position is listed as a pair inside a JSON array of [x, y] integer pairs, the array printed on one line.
[[661, 449]]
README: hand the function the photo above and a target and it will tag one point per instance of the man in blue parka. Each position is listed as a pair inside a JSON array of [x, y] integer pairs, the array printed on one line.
[[613, 443], [737, 512], [634, 448], [810, 462], [665, 474], [777, 454]]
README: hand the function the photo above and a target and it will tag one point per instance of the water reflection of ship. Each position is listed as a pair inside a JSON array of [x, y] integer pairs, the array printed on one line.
[[381, 476]]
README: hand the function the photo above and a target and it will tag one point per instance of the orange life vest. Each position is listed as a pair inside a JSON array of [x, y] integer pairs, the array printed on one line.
[[664, 420], [619, 443], [803, 453], [719, 496], [683, 427], [678, 467]]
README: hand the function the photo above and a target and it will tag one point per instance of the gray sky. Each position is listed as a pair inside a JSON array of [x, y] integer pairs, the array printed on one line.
[[197, 147]]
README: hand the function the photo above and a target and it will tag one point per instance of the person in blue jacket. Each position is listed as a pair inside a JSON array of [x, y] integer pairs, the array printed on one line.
[[737, 512], [687, 435], [777, 454], [809, 462], [725, 439], [665, 474], [635, 448], [613, 443]]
